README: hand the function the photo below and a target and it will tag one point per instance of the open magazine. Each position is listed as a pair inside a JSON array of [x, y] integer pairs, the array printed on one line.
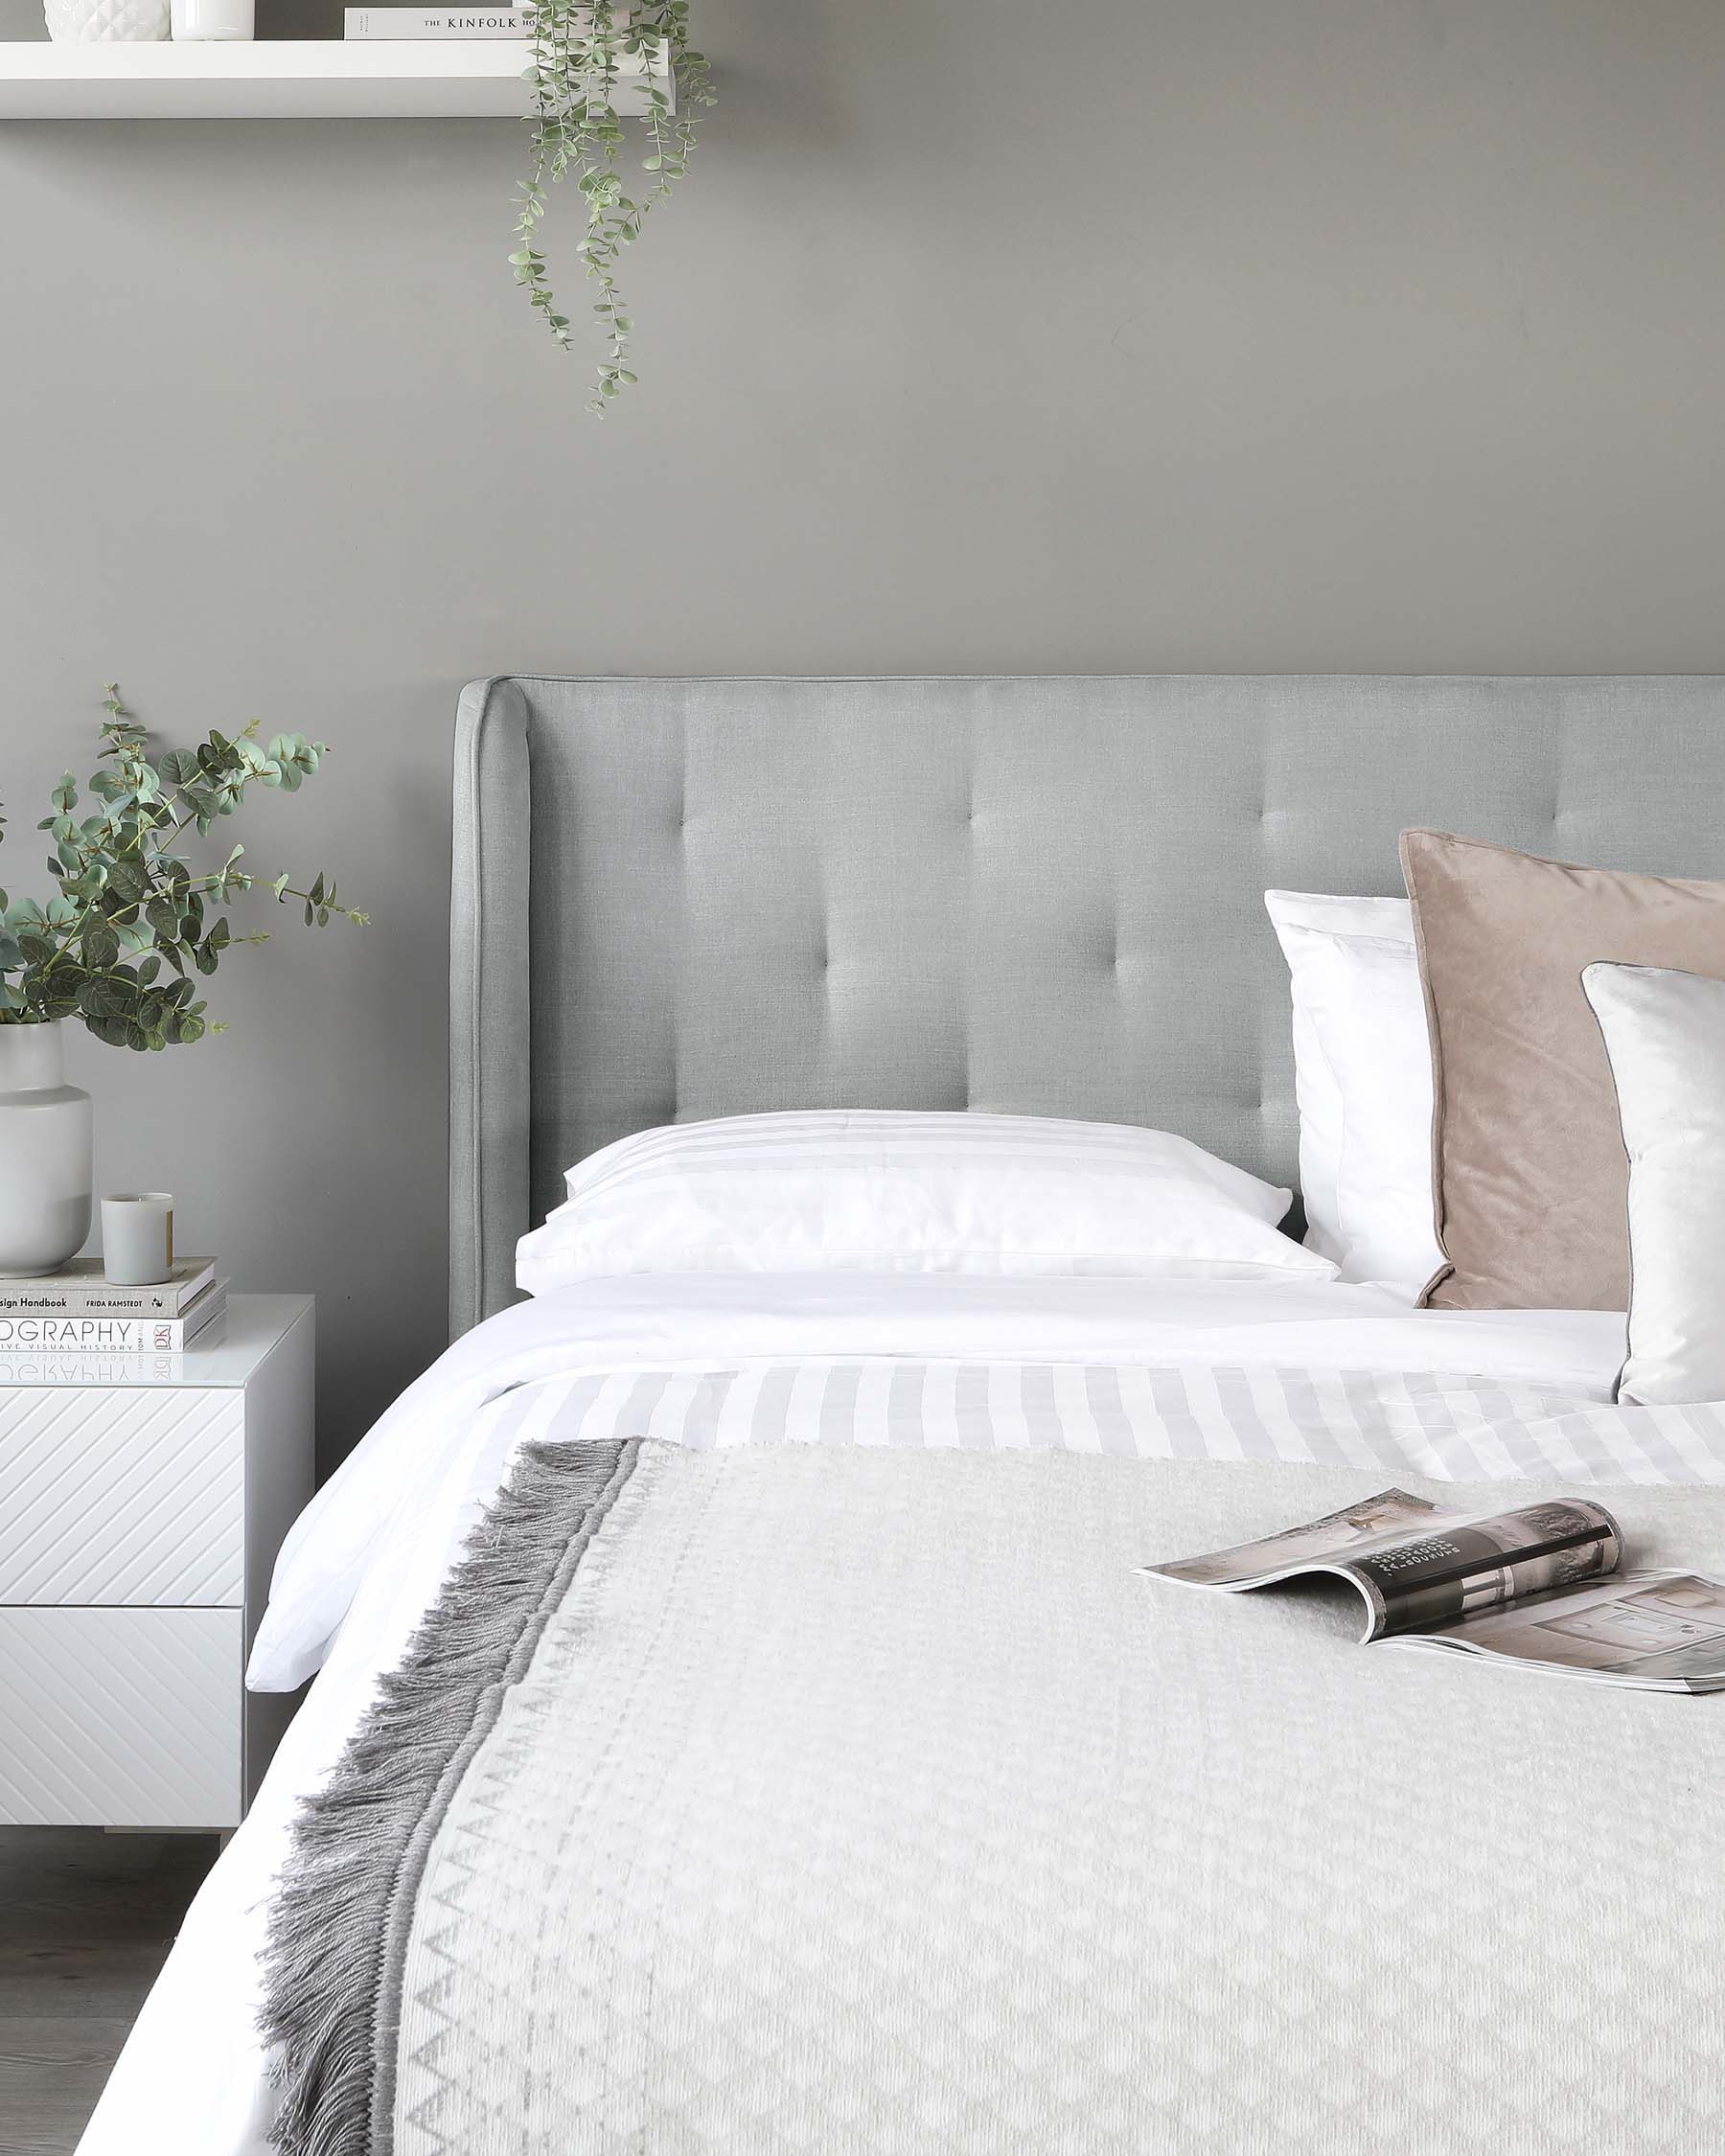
[[1539, 1585]]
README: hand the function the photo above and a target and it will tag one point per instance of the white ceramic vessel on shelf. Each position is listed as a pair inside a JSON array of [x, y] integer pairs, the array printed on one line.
[[45, 1133], [106, 22], [212, 21]]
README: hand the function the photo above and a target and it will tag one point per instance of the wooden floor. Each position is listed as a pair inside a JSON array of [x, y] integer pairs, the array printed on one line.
[[85, 1919]]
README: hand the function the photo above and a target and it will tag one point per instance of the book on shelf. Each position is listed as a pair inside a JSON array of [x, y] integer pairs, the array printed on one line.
[[51, 1334], [1540, 1586], [455, 23], [78, 1289]]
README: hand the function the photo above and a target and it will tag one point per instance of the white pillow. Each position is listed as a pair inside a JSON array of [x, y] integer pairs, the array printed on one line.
[[1363, 1079], [889, 1191], [1665, 1036]]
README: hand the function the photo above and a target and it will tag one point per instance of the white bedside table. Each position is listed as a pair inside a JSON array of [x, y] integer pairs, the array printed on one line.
[[142, 1501]]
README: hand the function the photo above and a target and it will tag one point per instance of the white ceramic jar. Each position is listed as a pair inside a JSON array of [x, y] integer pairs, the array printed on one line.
[[213, 19], [105, 22], [45, 1153]]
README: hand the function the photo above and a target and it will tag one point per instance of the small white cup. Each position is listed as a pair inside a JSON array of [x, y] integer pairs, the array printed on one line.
[[137, 1238]]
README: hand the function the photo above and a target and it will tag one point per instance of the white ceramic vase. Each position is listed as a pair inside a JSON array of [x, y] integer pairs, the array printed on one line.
[[106, 22], [45, 1135], [213, 20]]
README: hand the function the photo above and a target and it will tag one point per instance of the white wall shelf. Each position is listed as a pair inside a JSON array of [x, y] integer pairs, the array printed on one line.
[[275, 80]]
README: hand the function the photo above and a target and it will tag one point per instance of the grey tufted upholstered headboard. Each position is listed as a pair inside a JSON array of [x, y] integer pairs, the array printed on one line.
[[684, 898]]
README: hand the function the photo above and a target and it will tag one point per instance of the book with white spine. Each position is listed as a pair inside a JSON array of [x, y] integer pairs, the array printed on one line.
[[61, 1336], [79, 1290], [399, 23]]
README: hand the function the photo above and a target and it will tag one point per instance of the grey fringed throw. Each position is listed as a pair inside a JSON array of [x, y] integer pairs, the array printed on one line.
[[337, 1935], [864, 1802]]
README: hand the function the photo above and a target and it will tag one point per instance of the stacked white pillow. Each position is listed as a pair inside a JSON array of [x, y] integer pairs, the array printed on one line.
[[891, 1191], [1363, 1079]]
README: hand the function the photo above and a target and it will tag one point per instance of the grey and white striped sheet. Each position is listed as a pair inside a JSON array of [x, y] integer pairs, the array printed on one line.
[[1450, 1427]]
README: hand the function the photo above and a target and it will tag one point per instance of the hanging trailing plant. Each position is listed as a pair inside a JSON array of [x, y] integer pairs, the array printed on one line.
[[580, 57]]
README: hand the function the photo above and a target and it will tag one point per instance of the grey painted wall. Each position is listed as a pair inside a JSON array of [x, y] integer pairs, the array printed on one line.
[[1133, 334]]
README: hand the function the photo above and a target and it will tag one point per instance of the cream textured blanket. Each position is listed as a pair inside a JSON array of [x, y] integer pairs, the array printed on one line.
[[854, 1800]]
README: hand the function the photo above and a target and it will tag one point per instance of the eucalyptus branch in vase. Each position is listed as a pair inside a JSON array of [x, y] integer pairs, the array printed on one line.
[[120, 944], [579, 52]]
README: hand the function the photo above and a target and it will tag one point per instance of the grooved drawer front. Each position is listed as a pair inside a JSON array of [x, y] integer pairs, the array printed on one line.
[[127, 1495], [120, 1718]]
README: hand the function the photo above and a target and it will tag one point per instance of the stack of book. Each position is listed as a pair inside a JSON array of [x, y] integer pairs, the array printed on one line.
[[78, 1311], [434, 22]]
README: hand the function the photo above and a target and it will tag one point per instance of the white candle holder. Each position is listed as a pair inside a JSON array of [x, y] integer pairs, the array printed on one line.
[[137, 1238], [213, 21]]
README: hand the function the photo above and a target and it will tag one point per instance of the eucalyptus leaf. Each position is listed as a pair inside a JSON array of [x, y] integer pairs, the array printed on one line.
[[100, 945]]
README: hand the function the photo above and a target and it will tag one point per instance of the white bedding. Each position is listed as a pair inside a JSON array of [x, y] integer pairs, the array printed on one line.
[[1525, 1392]]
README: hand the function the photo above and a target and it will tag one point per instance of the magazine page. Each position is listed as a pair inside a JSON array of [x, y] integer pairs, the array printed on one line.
[[1392, 1517], [1420, 1566], [1664, 1630]]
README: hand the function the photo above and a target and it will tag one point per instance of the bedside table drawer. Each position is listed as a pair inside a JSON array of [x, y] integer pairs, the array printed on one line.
[[122, 1495], [120, 1718]]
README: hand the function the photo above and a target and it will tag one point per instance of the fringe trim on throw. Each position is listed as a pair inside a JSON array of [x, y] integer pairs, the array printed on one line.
[[338, 1931]]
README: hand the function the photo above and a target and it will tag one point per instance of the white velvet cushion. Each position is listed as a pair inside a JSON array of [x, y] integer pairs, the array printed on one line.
[[889, 1191], [1362, 1080], [1665, 1036]]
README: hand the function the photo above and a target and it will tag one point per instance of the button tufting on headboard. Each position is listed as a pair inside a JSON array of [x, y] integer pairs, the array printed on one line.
[[652, 877]]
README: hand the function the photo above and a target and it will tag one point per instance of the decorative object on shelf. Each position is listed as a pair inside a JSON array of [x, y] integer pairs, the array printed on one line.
[[45, 1150], [406, 25], [137, 1238], [212, 21], [106, 22], [577, 53]]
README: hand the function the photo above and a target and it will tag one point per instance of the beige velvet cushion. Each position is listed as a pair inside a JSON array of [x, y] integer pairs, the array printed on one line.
[[1530, 1179]]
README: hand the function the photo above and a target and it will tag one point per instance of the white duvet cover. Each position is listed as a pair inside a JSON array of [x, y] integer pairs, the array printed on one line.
[[1349, 1375]]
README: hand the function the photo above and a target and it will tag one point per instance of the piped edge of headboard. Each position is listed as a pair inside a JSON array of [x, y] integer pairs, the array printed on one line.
[[490, 1001]]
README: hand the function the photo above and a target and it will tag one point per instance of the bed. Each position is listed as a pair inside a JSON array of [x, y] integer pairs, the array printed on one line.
[[835, 1783]]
